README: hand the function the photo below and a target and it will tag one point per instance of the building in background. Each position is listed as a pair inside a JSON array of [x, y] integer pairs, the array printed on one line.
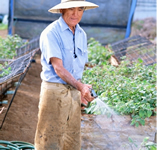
[[145, 9], [4, 7], [4, 10]]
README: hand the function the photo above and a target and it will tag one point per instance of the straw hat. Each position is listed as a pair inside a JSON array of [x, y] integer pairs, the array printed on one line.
[[72, 3]]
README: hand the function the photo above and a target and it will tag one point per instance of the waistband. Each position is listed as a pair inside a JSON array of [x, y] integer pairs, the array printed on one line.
[[52, 84]]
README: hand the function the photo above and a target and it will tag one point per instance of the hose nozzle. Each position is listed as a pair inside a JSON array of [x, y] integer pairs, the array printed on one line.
[[93, 94]]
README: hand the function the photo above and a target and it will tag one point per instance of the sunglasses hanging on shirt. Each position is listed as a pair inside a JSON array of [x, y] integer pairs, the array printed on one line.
[[75, 56]]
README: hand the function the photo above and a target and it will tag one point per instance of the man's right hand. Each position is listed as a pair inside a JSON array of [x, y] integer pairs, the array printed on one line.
[[85, 92]]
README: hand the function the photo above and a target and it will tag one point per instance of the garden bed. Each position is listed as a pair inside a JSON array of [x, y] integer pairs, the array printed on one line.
[[22, 118]]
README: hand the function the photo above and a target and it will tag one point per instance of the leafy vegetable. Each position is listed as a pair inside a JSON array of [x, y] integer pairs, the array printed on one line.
[[9, 45], [97, 54], [128, 89], [8, 48]]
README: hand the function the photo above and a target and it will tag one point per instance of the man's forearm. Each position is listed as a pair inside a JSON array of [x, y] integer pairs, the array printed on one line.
[[64, 74], [68, 78]]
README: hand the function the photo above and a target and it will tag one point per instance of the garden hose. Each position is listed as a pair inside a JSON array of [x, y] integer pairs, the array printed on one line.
[[4, 102], [15, 145], [20, 143]]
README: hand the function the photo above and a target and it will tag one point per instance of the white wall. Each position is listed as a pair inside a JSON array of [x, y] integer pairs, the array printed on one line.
[[4, 6], [145, 9]]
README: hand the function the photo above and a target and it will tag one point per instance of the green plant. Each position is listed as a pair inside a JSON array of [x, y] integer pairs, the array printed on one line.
[[128, 89], [4, 70], [97, 53], [8, 48], [147, 145], [9, 45], [132, 141], [3, 26]]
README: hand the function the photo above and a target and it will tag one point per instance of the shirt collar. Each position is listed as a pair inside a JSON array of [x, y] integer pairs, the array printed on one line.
[[64, 26]]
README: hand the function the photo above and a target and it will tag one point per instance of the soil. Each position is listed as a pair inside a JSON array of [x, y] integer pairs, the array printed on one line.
[[145, 28], [3, 33], [20, 123]]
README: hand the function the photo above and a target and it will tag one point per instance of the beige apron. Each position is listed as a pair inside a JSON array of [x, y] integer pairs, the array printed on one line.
[[59, 118]]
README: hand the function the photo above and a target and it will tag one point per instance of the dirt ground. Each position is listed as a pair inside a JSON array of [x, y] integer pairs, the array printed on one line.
[[145, 28], [3, 33], [20, 123]]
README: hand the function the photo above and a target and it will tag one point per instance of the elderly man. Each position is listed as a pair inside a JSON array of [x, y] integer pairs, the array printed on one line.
[[64, 53]]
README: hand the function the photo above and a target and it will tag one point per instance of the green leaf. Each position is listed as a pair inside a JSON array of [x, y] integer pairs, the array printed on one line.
[[142, 121], [140, 60], [130, 139], [142, 91], [149, 144], [141, 113], [149, 113], [136, 124]]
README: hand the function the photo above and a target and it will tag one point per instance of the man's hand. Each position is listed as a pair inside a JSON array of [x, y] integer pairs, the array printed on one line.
[[84, 103], [85, 93]]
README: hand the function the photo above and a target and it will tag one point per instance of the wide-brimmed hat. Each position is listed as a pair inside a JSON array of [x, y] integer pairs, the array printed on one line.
[[72, 3]]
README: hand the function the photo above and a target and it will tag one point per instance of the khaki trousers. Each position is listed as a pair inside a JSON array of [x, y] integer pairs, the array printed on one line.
[[59, 118]]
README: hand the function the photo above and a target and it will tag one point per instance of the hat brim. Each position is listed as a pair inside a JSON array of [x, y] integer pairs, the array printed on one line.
[[70, 4]]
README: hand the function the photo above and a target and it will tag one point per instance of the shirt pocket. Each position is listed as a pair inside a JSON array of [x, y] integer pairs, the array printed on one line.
[[81, 57], [67, 59]]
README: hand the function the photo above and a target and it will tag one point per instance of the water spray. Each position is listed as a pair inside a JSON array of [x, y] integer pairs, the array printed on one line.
[[100, 105]]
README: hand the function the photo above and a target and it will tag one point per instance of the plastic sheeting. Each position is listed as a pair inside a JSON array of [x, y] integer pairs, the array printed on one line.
[[107, 23], [111, 12]]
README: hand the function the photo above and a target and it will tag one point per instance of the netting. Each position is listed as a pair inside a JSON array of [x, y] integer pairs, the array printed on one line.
[[135, 48], [31, 45], [18, 66]]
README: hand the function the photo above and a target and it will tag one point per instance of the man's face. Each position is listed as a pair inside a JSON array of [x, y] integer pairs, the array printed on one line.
[[72, 16]]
